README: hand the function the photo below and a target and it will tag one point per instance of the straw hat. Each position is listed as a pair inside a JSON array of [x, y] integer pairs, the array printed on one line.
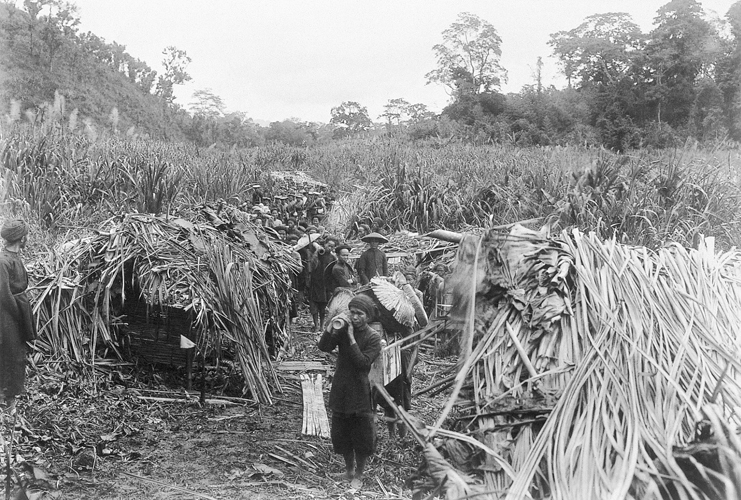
[[305, 240], [374, 237]]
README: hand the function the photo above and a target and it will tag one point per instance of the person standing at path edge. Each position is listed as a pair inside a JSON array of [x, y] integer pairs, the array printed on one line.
[[16, 320], [372, 262], [353, 419]]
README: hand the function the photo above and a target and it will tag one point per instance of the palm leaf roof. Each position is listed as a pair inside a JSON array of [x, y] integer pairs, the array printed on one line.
[[235, 283]]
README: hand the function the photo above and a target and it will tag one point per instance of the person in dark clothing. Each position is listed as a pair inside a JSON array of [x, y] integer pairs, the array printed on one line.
[[16, 319], [363, 231], [377, 225], [353, 420], [294, 296], [317, 287], [302, 280], [372, 262], [257, 194], [292, 228], [342, 272]]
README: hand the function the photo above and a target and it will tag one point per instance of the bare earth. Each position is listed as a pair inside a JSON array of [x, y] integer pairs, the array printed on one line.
[[181, 451]]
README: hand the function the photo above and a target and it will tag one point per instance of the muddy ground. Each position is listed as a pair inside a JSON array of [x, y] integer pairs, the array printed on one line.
[[105, 444]]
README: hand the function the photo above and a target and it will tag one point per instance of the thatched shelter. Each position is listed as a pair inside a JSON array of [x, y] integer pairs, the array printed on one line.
[[228, 277], [590, 369]]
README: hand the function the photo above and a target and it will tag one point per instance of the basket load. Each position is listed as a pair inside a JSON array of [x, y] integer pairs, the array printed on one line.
[[590, 369], [399, 309]]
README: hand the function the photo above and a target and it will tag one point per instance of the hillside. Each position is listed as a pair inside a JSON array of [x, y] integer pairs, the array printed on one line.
[[42, 53], [627, 89]]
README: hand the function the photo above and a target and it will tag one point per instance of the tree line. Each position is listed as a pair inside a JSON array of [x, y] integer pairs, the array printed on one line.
[[625, 88]]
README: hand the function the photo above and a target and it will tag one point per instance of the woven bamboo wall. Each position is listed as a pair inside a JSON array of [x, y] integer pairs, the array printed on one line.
[[153, 333]]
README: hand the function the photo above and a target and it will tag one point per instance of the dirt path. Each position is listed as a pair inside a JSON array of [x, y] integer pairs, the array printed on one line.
[[179, 450]]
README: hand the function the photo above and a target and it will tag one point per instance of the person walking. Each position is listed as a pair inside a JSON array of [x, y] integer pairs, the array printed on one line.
[[16, 319], [317, 287], [353, 429], [373, 261]]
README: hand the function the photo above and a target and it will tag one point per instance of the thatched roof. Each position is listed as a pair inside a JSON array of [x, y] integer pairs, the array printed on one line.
[[235, 282], [296, 177], [587, 368]]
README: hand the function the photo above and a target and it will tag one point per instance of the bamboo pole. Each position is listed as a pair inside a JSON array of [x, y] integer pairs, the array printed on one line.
[[442, 234]]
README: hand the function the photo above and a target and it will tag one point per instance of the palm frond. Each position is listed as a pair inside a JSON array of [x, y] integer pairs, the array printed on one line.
[[601, 361]]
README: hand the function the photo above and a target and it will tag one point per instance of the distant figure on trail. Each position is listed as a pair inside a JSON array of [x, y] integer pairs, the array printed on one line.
[[293, 228], [275, 218], [313, 205], [377, 226], [256, 194], [363, 231], [353, 411], [16, 319], [372, 262], [317, 223]]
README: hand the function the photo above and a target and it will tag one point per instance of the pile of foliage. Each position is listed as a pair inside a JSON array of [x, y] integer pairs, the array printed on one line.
[[591, 369], [235, 284]]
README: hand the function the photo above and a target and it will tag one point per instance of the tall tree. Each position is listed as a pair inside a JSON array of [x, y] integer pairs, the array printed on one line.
[[175, 63], [350, 118], [599, 50], [207, 104], [56, 21], [470, 52], [419, 112], [677, 53], [729, 73], [396, 113]]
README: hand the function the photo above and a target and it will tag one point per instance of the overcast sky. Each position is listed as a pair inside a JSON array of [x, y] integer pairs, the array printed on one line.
[[279, 59]]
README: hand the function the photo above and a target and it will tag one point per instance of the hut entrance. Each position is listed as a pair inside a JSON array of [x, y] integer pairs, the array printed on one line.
[[152, 335]]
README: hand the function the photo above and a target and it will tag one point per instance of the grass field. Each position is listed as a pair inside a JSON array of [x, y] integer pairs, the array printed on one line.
[[61, 177]]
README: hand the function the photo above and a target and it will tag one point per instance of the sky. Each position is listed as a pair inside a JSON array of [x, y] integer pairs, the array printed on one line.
[[286, 59]]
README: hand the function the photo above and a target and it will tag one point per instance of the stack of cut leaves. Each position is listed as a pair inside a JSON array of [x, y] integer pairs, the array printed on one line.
[[592, 369], [420, 250], [235, 283]]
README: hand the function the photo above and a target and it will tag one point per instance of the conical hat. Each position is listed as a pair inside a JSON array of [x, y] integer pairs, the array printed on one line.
[[374, 237], [306, 240]]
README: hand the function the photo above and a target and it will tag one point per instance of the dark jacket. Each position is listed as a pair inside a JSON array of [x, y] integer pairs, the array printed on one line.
[[372, 262], [317, 285], [343, 275], [16, 323], [350, 391]]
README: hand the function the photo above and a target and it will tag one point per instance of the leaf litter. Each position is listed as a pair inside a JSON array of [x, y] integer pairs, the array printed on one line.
[[131, 434]]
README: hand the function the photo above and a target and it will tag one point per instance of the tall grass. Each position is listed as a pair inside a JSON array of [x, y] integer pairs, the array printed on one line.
[[62, 176]]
